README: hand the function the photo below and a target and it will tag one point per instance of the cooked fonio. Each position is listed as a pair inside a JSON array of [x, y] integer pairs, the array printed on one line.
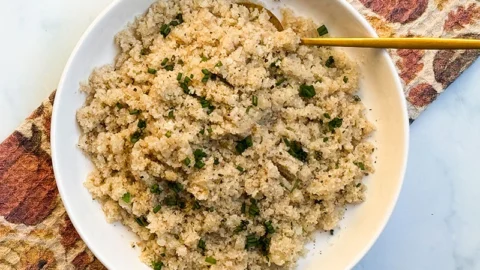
[[222, 142]]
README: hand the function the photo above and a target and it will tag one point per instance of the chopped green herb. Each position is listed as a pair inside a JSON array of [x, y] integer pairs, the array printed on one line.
[[356, 98], [345, 79], [253, 210], [179, 76], [164, 61], [135, 137], [142, 221], [184, 87], [219, 64], [322, 30], [186, 161], [326, 115], [330, 62], [171, 200], [242, 226], [152, 71], [199, 155], [169, 67], [307, 91], [358, 185], [210, 260], [202, 131], [251, 241], [249, 108], [210, 130], [142, 124], [269, 227], [165, 30], [175, 187], [335, 123], [157, 265], [157, 208], [254, 100], [244, 144], [325, 139], [135, 112], [240, 169], [360, 165], [297, 151], [174, 23], [196, 205], [204, 58], [182, 204], [287, 142], [144, 51], [168, 134], [216, 161], [179, 17], [264, 243], [171, 114], [126, 197], [244, 208], [119, 105], [280, 81], [201, 245], [275, 63], [155, 189]]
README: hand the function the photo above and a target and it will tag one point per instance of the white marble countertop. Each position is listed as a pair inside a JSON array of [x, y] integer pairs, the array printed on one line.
[[436, 224]]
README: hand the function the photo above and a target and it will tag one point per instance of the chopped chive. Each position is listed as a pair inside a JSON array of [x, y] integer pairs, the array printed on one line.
[[242, 226], [175, 187], [164, 61], [204, 58], [119, 105], [144, 51], [326, 115], [199, 164], [179, 18], [345, 79], [157, 265], [168, 134], [322, 30], [216, 161], [142, 124], [184, 87], [297, 151], [210, 130], [165, 30], [244, 144], [219, 64], [360, 165], [202, 245], [171, 200], [157, 208], [251, 241], [269, 227], [174, 23], [206, 72], [358, 185], [280, 81], [155, 189], [254, 100], [126, 197], [152, 71], [199, 155], [244, 208], [142, 221], [202, 131], [171, 114], [179, 76], [210, 260], [135, 137], [186, 161], [196, 205], [135, 112], [330, 62], [307, 91], [240, 169], [253, 210], [325, 139], [169, 67]]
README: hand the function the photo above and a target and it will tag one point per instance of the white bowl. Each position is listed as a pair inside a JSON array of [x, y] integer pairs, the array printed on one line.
[[381, 92]]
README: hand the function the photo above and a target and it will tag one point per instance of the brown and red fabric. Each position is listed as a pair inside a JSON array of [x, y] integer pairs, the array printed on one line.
[[35, 231]]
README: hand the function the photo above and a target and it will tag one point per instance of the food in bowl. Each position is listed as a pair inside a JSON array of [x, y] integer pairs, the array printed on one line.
[[222, 142]]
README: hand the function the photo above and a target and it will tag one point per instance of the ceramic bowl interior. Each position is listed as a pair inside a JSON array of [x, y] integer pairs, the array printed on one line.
[[381, 91]]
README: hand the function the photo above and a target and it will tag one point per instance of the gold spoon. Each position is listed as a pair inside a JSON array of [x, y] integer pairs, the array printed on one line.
[[384, 43]]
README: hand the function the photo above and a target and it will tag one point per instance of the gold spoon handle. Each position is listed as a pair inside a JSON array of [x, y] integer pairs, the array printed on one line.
[[396, 43]]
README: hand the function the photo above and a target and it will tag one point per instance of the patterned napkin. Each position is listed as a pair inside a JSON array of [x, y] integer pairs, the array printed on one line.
[[35, 231]]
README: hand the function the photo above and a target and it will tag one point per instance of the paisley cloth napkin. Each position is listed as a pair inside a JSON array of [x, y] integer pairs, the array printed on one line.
[[35, 231]]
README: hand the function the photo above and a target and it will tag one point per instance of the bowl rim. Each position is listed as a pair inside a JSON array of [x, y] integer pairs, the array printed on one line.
[[371, 32]]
